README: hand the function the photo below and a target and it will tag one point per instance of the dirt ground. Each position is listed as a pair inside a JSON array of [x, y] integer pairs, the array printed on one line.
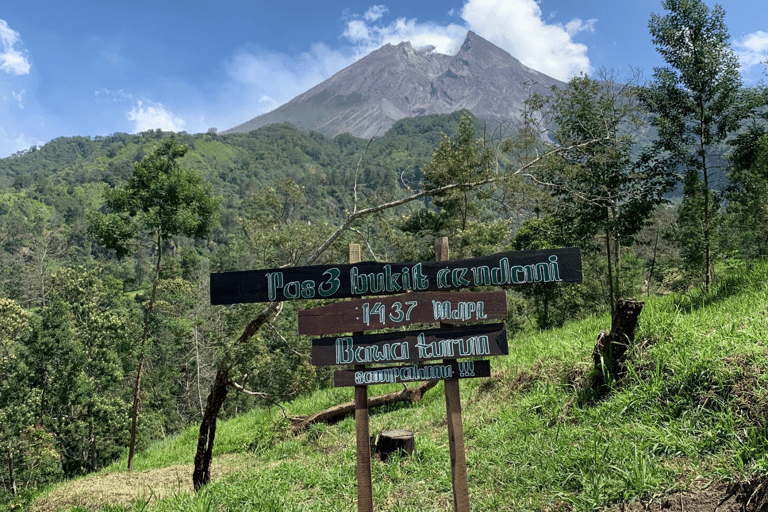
[[736, 497], [95, 491]]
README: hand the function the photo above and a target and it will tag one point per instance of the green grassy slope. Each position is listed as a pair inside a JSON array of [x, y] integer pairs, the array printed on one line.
[[693, 409]]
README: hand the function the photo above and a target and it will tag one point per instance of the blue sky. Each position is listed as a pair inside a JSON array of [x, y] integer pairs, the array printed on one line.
[[82, 67]]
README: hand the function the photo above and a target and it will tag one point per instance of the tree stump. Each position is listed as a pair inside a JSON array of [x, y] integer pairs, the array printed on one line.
[[610, 352], [395, 440]]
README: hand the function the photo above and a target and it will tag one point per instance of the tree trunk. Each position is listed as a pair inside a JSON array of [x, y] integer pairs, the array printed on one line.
[[395, 440], [12, 478], [207, 437], [610, 352], [341, 411], [610, 275], [216, 398], [145, 335]]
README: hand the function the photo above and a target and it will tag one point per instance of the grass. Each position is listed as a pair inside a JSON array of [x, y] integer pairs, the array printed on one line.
[[691, 410]]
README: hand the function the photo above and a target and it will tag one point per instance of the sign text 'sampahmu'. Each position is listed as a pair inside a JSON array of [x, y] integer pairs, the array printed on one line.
[[370, 278], [412, 373], [410, 346]]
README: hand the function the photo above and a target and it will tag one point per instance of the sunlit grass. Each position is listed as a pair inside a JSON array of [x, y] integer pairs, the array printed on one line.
[[691, 408]]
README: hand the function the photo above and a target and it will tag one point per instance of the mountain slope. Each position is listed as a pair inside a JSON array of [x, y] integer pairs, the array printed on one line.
[[395, 82], [688, 417]]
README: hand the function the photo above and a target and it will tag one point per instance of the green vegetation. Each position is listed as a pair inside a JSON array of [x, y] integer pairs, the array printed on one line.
[[106, 246], [691, 102], [690, 411]]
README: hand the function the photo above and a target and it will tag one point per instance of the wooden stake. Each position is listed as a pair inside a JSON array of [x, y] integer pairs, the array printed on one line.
[[455, 426], [362, 428]]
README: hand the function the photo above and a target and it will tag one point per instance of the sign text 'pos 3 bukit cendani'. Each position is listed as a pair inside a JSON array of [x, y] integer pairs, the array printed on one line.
[[372, 279]]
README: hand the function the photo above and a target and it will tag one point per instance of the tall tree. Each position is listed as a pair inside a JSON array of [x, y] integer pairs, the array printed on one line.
[[602, 190], [690, 100], [746, 226], [463, 214], [161, 200]]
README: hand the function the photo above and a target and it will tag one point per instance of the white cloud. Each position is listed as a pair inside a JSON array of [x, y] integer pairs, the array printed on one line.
[[261, 80], [151, 115], [577, 25], [752, 49], [12, 60], [375, 12], [518, 27], [11, 143], [367, 37], [19, 97]]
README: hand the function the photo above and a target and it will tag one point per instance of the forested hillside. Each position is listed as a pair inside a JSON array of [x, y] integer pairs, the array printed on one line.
[[107, 335], [72, 313]]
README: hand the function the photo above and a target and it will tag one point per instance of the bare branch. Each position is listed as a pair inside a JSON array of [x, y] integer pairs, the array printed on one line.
[[254, 325], [274, 329], [413, 197], [241, 389]]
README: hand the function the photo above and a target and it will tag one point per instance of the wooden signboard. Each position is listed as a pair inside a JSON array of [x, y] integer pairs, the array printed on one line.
[[452, 308], [374, 279], [412, 346], [413, 373]]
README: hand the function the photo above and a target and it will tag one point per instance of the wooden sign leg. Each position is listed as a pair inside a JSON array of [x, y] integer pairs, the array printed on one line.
[[362, 428], [455, 426], [364, 484], [456, 446]]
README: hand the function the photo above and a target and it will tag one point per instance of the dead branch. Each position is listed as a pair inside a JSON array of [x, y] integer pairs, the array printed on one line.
[[242, 389], [341, 411], [257, 323], [434, 191]]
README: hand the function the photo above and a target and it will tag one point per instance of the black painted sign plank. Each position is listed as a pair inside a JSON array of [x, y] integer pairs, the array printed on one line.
[[453, 308], [413, 373], [373, 279], [411, 346]]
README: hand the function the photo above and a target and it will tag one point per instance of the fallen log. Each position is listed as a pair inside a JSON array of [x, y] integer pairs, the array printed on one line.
[[339, 412]]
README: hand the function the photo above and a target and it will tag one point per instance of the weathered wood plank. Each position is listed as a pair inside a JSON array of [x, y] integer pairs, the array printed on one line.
[[452, 308], [412, 346], [413, 373], [374, 279]]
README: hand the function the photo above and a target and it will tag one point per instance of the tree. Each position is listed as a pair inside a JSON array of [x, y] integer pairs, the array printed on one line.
[[691, 100], [15, 407], [462, 214], [601, 189], [95, 431], [746, 228], [161, 200]]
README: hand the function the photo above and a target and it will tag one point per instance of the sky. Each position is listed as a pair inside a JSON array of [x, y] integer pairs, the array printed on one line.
[[87, 67]]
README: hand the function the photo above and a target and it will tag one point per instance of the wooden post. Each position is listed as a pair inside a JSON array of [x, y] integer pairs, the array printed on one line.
[[364, 483], [455, 426]]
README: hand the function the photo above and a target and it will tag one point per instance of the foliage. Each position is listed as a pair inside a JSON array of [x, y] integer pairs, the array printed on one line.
[[690, 409], [598, 187], [463, 214], [162, 198], [746, 227], [691, 101]]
